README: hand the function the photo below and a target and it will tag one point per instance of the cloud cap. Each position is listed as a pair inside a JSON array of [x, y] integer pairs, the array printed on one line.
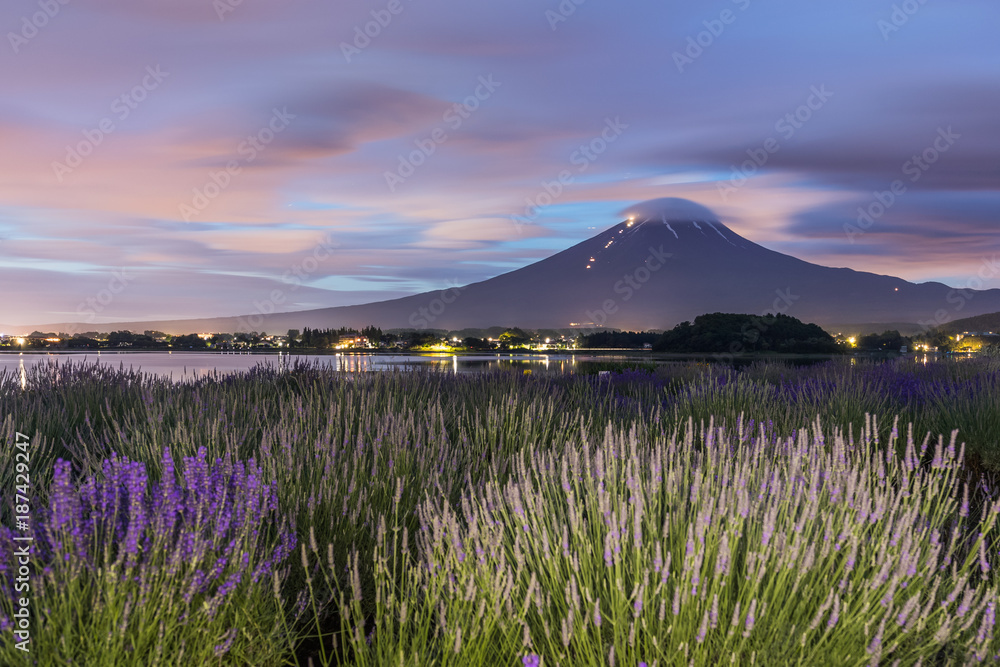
[[670, 209]]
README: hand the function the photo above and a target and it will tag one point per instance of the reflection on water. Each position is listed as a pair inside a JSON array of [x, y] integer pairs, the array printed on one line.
[[453, 363], [193, 365]]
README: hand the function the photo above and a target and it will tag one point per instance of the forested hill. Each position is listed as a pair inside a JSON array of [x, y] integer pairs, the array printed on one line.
[[734, 333]]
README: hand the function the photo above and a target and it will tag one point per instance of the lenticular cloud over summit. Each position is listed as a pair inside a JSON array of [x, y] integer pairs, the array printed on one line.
[[670, 209]]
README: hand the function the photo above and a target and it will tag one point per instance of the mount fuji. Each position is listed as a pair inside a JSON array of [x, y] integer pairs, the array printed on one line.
[[668, 261]]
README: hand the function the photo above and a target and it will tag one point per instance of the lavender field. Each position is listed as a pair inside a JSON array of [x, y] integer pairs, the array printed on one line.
[[836, 514]]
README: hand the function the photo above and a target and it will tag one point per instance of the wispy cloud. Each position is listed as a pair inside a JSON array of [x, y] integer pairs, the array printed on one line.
[[324, 173]]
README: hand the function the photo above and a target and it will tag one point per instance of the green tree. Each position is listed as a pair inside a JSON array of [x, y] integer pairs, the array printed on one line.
[[477, 344], [731, 333], [190, 342], [514, 337], [885, 341]]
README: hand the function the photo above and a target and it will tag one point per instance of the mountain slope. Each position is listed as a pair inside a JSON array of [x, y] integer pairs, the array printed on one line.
[[654, 272]]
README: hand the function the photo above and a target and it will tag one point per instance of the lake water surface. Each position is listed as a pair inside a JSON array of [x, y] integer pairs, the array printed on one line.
[[182, 366], [190, 365]]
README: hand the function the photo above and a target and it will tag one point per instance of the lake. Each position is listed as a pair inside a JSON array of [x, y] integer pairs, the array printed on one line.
[[190, 365]]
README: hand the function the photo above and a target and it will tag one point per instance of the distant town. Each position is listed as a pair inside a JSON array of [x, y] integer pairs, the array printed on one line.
[[369, 338], [470, 340]]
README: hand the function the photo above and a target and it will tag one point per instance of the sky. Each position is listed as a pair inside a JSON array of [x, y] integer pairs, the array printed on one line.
[[220, 157]]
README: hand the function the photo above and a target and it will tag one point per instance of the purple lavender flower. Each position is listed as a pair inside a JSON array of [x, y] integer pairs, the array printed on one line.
[[835, 614], [214, 515], [751, 620], [227, 642], [703, 628], [874, 648], [986, 627]]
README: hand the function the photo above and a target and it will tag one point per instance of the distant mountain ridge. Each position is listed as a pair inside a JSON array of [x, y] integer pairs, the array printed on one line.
[[669, 261], [977, 324]]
